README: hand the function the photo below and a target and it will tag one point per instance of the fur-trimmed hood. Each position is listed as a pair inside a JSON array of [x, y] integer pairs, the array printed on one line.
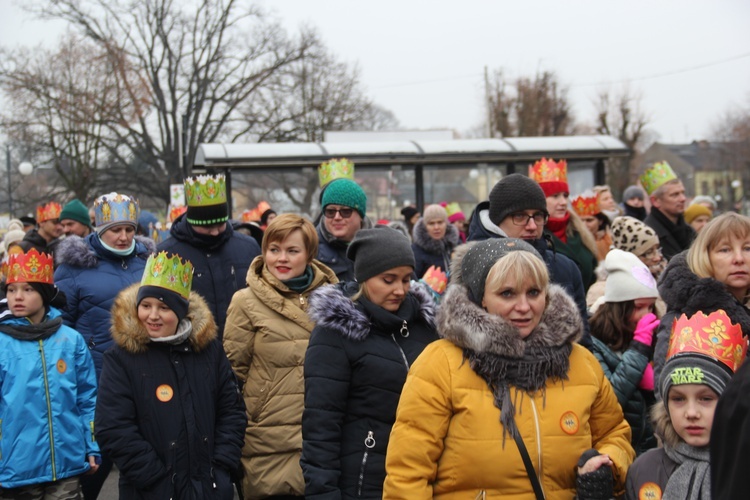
[[128, 332], [75, 251], [663, 425], [331, 308], [427, 243]]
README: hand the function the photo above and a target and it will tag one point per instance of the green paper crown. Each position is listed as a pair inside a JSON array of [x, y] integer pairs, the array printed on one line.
[[336, 168], [657, 175], [169, 272], [205, 190]]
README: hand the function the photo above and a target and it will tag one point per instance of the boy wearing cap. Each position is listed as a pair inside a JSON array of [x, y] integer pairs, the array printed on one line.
[[75, 219], [48, 389]]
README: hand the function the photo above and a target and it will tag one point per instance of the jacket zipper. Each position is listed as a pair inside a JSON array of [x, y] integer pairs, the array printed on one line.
[[302, 301], [93, 436], [538, 443], [49, 411], [403, 356], [369, 444]]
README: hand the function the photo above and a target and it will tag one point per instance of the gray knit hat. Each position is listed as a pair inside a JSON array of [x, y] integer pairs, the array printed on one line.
[[480, 258], [693, 368], [377, 250], [515, 193], [633, 192]]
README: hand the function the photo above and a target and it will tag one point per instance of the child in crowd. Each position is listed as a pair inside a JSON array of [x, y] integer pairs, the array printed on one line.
[[47, 389], [704, 352]]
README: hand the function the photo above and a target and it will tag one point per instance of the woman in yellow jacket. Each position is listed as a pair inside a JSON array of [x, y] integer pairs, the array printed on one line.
[[508, 365], [265, 338]]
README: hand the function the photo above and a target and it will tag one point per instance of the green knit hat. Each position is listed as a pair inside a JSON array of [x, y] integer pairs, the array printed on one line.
[[77, 211], [347, 193]]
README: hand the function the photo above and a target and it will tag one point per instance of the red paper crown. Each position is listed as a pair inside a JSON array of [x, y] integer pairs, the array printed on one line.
[[586, 204], [714, 336], [175, 212], [49, 211], [30, 267], [546, 170]]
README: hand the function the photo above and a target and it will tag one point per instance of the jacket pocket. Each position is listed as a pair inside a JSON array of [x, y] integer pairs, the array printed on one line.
[[262, 401], [369, 444]]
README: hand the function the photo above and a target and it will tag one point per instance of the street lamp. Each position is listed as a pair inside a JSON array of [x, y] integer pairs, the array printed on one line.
[[25, 168]]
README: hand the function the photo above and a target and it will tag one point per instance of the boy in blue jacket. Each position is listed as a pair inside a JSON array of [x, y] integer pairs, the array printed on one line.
[[47, 389]]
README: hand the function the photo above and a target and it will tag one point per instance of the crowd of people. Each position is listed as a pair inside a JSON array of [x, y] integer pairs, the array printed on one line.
[[552, 345]]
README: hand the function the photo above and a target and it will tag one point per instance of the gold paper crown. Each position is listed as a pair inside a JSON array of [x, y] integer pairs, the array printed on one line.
[[169, 272], [30, 267], [656, 175], [48, 212], [452, 208], [586, 204], [546, 170], [714, 336], [336, 168], [116, 207], [205, 190]]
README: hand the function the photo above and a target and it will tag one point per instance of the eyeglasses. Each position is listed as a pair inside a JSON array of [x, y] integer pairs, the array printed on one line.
[[652, 253], [345, 213], [521, 218]]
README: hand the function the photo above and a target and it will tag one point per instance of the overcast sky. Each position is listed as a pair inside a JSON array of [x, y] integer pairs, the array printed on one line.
[[424, 60]]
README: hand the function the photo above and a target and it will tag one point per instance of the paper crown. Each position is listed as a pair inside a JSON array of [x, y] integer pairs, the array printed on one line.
[[335, 168], [452, 209], [656, 175], [586, 204], [115, 207], [30, 267], [546, 170], [254, 214], [711, 335], [205, 190], [49, 211], [169, 272], [175, 212]]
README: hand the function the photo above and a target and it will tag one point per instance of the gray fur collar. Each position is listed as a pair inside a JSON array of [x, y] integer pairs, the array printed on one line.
[[76, 251], [470, 327], [330, 307], [430, 245]]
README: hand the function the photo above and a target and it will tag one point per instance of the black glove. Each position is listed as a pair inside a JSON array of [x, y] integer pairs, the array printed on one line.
[[597, 485]]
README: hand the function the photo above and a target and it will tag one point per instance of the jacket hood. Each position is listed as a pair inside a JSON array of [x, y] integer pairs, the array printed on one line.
[[270, 288], [684, 292], [128, 332], [423, 239], [331, 307], [663, 425], [75, 251]]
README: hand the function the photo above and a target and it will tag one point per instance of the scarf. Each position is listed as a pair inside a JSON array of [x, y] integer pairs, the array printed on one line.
[[119, 253], [680, 231], [184, 329], [528, 374], [692, 478], [40, 331], [559, 226], [301, 282]]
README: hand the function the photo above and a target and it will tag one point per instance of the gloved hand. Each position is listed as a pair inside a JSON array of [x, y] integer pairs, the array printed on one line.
[[644, 330], [596, 484], [647, 381]]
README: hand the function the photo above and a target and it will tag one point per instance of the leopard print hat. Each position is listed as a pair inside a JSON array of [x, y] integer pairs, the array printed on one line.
[[631, 235]]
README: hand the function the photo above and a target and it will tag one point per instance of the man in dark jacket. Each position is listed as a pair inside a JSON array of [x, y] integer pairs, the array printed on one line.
[[220, 256], [518, 209], [667, 195], [46, 238]]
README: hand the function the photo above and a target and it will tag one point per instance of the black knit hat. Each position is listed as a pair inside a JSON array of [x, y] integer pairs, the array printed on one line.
[[377, 250], [172, 300], [409, 212], [515, 193]]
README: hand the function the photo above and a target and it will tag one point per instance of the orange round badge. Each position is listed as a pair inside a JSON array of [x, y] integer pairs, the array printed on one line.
[[61, 365], [164, 393], [569, 423], [649, 491]]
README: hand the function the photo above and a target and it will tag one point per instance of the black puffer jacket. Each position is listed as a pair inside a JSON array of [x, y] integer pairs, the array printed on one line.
[[673, 238], [355, 367], [171, 417], [431, 252]]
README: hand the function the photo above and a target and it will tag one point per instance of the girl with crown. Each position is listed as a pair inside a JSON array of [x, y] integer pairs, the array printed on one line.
[[47, 389], [169, 412]]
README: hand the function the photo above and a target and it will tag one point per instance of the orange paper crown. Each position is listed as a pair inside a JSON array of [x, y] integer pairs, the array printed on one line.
[[714, 336], [49, 211], [586, 204], [546, 170], [175, 212], [30, 267]]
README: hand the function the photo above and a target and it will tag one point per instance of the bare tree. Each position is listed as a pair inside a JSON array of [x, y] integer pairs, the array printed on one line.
[[732, 131]]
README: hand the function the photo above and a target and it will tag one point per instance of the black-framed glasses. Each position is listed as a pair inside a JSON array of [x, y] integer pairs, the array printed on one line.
[[330, 213], [522, 218]]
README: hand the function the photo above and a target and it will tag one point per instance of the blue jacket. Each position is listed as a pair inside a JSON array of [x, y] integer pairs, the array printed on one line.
[[220, 263], [47, 401], [91, 277]]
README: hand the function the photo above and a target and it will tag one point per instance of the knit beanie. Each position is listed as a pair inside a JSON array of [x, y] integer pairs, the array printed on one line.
[[12, 236], [434, 212], [694, 211], [627, 278], [347, 193], [377, 250], [704, 199], [479, 259], [77, 211], [173, 300], [409, 212], [631, 235], [515, 193], [632, 192], [693, 368], [14, 224]]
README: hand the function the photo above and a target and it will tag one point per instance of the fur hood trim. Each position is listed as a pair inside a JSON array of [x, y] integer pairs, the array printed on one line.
[[663, 424], [471, 327], [77, 252], [128, 332], [430, 245], [331, 308], [684, 292]]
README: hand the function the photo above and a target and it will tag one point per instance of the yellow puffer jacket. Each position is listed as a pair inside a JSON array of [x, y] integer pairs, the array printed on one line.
[[448, 442], [265, 338]]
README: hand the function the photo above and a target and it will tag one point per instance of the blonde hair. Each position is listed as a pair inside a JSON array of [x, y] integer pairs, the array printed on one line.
[[284, 225], [576, 224], [717, 231], [517, 266]]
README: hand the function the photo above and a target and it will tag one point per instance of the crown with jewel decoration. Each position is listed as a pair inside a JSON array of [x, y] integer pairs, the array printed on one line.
[[115, 207], [546, 170], [48, 212], [169, 272], [175, 212], [30, 267], [206, 197], [335, 168], [586, 204], [711, 335], [657, 175]]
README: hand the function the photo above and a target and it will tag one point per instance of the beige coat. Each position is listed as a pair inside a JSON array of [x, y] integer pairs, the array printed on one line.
[[265, 338]]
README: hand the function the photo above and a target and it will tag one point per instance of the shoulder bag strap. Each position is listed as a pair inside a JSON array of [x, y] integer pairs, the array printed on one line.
[[529, 466]]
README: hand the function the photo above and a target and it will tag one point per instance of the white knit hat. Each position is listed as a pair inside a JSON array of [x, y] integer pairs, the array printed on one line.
[[628, 278]]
